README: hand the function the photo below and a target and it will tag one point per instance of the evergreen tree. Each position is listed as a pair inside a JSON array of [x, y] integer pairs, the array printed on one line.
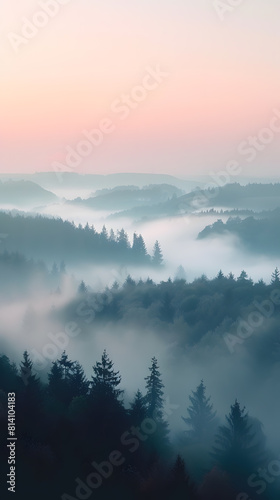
[[104, 233], [180, 481], [154, 397], [122, 240], [82, 288], [8, 375], [57, 385], [158, 445], [243, 276], [236, 449], [139, 247], [129, 281], [105, 380], [275, 277], [201, 415], [157, 255], [78, 384], [112, 236], [180, 274], [138, 410], [30, 398]]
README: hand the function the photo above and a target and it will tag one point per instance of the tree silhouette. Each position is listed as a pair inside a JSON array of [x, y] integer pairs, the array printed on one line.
[[154, 397], [275, 277], [157, 255], [201, 415], [82, 288], [139, 247], [105, 381], [138, 410], [236, 449]]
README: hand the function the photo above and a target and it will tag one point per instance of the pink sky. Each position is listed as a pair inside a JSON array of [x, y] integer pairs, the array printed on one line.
[[223, 84]]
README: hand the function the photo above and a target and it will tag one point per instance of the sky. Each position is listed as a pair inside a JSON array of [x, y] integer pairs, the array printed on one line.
[[217, 83]]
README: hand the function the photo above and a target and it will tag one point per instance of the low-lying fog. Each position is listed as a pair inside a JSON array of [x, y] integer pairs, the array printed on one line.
[[226, 376], [179, 244]]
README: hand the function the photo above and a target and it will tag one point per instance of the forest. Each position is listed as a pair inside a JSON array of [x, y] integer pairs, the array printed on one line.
[[78, 440], [84, 436], [53, 239]]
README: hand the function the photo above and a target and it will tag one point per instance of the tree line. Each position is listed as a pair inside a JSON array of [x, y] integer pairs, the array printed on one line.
[[53, 239], [65, 423]]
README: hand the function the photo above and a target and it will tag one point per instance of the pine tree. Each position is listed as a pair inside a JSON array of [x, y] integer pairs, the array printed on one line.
[[82, 288], [275, 277], [243, 276], [201, 415], [104, 233], [26, 371], [220, 275], [157, 255], [105, 380], [112, 236], [57, 386], [158, 445], [138, 410], [129, 281], [139, 247], [31, 396], [236, 448], [65, 364], [180, 274], [180, 481], [122, 240], [78, 384], [154, 397]]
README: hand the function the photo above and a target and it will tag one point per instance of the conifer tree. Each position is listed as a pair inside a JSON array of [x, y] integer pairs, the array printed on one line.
[[236, 448], [275, 277], [154, 397], [201, 415], [138, 410], [105, 380], [82, 288], [157, 255]]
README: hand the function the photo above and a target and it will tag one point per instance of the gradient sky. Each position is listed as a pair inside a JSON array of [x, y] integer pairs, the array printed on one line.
[[224, 81]]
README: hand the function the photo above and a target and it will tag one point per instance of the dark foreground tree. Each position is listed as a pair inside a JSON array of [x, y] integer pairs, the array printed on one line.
[[237, 450]]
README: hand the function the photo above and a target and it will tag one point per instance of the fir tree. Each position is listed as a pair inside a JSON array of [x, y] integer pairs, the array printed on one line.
[[105, 380], [236, 448], [201, 415], [139, 247], [82, 288], [154, 397], [275, 277], [157, 255], [138, 410], [78, 384]]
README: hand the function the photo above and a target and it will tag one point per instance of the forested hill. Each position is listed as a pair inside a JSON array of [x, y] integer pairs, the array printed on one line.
[[57, 240], [256, 197], [258, 235]]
